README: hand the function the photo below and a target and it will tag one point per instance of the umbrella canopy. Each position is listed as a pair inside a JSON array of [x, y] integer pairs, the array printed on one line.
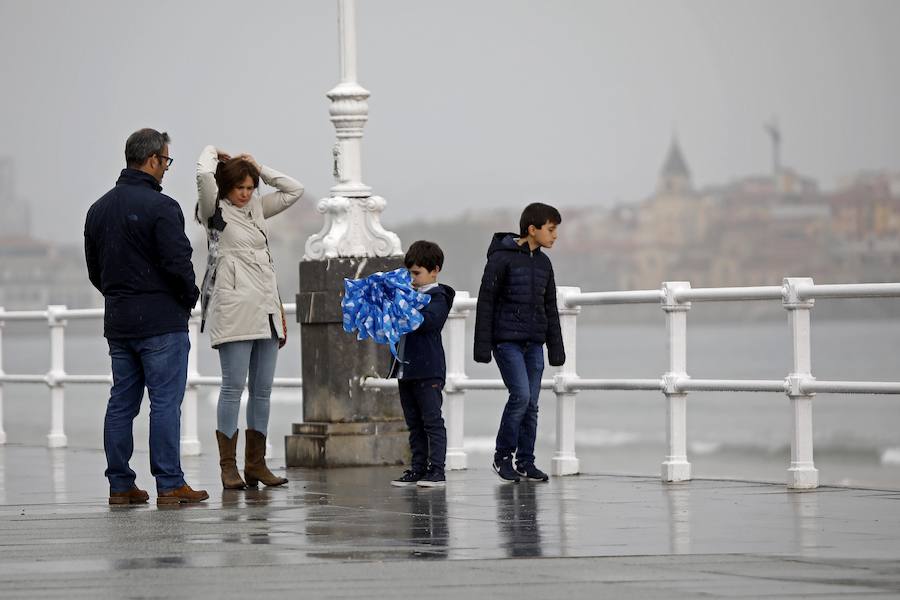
[[382, 307]]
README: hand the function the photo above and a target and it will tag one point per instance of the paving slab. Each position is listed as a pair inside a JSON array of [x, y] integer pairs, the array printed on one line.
[[346, 533]]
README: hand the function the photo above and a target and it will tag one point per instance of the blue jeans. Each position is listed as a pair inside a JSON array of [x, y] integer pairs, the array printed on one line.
[[421, 400], [236, 359], [159, 363], [521, 365]]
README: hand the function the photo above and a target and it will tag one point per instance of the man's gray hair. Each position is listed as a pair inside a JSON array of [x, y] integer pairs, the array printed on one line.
[[142, 144]]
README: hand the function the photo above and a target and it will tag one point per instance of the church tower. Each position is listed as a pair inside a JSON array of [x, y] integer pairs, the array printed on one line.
[[675, 177]]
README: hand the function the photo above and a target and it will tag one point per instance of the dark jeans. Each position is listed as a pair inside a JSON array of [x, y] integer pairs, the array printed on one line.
[[521, 365], [421, 400], [159, 363]]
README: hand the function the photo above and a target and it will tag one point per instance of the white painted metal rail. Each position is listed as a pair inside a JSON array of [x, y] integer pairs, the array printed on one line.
[[797, 296], [56, 378]]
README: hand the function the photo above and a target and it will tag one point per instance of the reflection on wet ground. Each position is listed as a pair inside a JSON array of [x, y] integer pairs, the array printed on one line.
[[55, 519]]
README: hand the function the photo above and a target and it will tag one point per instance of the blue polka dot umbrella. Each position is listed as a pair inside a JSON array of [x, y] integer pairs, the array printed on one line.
[[382, 307]]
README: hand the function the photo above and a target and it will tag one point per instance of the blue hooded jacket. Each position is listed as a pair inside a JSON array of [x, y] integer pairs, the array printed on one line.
[[423, 352], [140, 259], [517, 300]]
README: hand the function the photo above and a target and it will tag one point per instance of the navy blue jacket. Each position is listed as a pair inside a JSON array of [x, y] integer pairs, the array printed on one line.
[[423, 352], [139, 258], [517, 300]]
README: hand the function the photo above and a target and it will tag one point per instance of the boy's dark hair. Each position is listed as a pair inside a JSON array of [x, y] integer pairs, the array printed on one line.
[[427, 255], [538, 214], [142, 144]]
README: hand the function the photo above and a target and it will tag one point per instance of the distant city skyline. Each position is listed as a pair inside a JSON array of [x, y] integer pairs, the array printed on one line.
[[474, 104]]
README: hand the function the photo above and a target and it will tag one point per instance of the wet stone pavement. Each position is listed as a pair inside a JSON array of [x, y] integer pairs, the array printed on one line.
[[347, 533]]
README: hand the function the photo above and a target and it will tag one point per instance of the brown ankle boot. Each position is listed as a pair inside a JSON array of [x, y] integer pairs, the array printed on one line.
[[231, 477], [255, 469]]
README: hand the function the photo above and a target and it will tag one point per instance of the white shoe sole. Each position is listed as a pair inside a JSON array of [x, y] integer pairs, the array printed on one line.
[[431, 484]]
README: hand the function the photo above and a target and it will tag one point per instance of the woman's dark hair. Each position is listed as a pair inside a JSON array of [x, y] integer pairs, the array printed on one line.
[[427, 255], [228, 175], [538, 214], [232, 172]]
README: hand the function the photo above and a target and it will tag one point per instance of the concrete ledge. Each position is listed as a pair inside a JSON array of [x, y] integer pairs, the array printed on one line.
[[325, 445]]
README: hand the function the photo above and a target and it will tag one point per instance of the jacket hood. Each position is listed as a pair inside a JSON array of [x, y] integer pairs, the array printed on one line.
[[135, 177], [444, 289], [506, 241]]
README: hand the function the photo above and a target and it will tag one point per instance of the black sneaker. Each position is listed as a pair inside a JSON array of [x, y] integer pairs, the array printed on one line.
[[409, 477], [505, 470], [531, 472], [433, 478]]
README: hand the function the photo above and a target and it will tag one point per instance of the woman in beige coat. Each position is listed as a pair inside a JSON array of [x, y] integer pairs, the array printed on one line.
[[240, 300]]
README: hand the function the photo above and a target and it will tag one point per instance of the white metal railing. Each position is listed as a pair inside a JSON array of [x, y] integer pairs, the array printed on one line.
[[56, 378], [797, 295]]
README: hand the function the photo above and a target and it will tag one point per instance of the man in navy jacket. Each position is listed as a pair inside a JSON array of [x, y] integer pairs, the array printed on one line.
[[422, 370], [140, 259]]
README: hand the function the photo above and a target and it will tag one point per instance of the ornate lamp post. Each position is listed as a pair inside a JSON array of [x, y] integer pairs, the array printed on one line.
[[343, 424], [352, 225]]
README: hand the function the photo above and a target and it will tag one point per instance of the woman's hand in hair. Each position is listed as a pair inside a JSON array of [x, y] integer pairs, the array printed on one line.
[[250, 160], [222, 156]]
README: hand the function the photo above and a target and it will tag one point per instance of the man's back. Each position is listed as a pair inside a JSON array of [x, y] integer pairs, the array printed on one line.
[[139, 258]]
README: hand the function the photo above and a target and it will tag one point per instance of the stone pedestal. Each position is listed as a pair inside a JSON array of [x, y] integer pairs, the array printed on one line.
[[343, 424]]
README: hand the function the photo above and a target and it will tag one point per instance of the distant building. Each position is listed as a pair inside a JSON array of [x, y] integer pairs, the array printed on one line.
[[33, 273], [16, 219]]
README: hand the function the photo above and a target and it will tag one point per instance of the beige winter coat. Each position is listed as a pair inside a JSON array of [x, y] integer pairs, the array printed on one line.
[[245, 295]]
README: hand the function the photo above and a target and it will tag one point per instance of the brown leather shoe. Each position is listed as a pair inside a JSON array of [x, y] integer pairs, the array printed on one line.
[[133, 496], [184, 494]]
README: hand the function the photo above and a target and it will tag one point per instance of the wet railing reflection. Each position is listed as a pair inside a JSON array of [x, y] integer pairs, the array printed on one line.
[[806, 522], [58, 477], [679, 504]]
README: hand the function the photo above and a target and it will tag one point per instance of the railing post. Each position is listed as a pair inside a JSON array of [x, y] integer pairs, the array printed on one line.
[[802, 473], [565, 462], [676, 466], [2, 431], [57, 436], [454, 405], [190, 444]]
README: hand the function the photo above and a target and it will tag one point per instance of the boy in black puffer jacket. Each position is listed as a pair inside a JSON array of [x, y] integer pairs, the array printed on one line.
[[421, 370], [515, 316]]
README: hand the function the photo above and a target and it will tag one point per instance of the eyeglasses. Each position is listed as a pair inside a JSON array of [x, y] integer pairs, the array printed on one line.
[[168, 160]]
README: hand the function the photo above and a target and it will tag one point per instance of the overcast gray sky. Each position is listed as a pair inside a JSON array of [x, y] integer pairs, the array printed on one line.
[[474, 102]]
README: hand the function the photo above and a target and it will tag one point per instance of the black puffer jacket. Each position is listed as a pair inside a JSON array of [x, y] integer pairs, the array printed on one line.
[[517, 300], [139, 258]]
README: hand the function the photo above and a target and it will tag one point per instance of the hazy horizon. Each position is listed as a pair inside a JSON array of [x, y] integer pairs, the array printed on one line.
[[474, 104]]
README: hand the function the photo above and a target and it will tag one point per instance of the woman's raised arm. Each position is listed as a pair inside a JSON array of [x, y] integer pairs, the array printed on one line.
[[288, 191], [207, 191]]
